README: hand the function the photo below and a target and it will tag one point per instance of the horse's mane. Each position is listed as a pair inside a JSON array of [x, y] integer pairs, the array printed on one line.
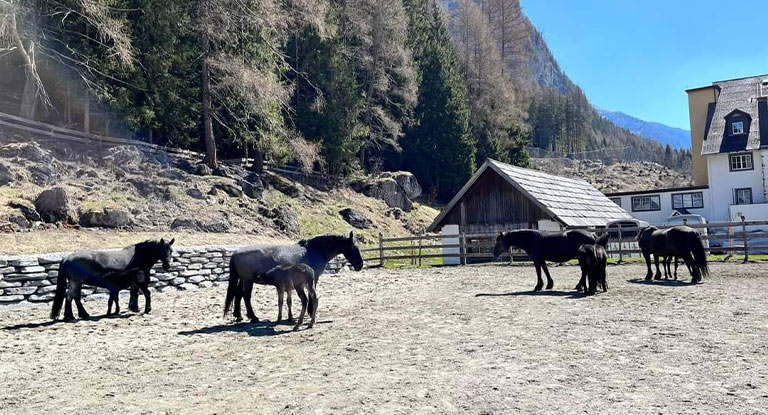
[[321, 240]]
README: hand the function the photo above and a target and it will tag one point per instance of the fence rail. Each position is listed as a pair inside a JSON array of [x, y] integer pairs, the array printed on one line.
[[721, 237]]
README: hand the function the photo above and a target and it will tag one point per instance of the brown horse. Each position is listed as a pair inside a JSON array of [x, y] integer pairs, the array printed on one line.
[[679, 241]]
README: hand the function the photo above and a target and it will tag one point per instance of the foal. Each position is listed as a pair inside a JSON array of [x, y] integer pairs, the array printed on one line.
[[294, 277], [593, 260]]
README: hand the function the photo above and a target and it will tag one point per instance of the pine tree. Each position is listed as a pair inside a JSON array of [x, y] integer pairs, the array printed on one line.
[[439, 149]]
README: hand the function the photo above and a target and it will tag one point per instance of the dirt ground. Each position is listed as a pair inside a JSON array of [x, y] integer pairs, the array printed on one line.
[[442, 340]]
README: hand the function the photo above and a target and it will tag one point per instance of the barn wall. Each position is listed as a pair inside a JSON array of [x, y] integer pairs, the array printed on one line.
[[493, 205]]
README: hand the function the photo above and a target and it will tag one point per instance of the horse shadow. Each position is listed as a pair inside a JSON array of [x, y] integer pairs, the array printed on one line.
[[56, 322], [566, 294], [257, 329], [664, 283]]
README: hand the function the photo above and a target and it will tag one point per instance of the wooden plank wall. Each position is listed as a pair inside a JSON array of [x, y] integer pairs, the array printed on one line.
[[493, 205]]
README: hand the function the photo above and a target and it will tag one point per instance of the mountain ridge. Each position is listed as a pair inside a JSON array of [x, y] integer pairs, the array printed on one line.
[[675, 137]]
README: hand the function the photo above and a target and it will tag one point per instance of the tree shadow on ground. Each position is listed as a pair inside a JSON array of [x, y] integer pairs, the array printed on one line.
[[664, 283], [567, 294], [56, 322], [256, 329]]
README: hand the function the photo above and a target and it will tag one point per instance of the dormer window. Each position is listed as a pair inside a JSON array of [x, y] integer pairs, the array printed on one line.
[[737, 127]]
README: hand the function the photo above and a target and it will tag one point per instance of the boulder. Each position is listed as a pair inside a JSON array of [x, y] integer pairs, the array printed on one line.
[[27, 209], [200, 225], [124, 155], [6, 175], [228, 188], [355, 218], [286, 220], [407, 181], [395, 213], [148, 189], [195, 193], [282, 185], [106, 217], [43, 174], [29, 150], [252, 186], [19, 221], [54, 205], [390, 192], [202, 170]]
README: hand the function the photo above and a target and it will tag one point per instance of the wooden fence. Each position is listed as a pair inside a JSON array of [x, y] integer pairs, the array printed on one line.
[[721, 238]]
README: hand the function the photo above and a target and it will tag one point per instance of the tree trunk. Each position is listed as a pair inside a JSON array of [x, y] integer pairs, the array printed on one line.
[[210, 141], [258, 161], [31, 90]]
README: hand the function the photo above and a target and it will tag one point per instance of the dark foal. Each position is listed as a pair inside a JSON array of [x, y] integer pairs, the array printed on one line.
[[294, 277], [593, 260]]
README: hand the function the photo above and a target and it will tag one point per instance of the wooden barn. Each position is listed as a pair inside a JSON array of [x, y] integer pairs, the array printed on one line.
[[502, 197]]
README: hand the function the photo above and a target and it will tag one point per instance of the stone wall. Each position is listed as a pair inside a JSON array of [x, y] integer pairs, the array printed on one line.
[[32, 279]]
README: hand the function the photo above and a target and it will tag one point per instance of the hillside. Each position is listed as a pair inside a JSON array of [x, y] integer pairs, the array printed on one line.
[[675, 137], [119, 195]]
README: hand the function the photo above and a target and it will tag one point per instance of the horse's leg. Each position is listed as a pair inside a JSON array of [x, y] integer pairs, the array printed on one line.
[[550, 283], [279, 305], [247, 288], [144, 287], [694, 270], [583, 281], [290, 303], [676, 258], [658, 272], [78, 301], [303, 298], [238, 296], [649, 274], [133, 300], [70, 294], [540, 283], [313, 298]]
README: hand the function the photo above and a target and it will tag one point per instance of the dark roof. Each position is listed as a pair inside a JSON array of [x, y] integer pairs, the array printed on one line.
[[670, 189], [735, 95], [570, 201]]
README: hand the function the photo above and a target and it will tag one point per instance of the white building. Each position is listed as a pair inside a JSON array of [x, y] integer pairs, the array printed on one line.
[[729, 142]]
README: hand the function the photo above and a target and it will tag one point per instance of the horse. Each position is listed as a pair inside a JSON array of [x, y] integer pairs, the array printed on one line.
[[248, 266], [678, 241], [543, 247], [592, 261], [112, 270], [294, 277]]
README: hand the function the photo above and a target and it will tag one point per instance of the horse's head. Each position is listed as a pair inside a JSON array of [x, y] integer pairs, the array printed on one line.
[[501, 245], [352, 252], [165, 253]]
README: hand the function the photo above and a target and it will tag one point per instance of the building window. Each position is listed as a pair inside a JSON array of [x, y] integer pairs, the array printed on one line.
[[616, 200], [646, 203], [741, 161], [693, 200], [737, 127], [742, 196]]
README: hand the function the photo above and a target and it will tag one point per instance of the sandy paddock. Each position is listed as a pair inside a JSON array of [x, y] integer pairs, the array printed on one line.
[[442, 340]]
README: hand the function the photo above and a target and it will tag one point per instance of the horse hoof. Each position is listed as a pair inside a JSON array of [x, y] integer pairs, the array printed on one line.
[[549, 286], [537, 288], [296, 328], [254, 319], [238, 319]]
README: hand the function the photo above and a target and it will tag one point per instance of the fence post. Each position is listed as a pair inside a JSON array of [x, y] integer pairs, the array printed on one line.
[[381, 249], [463, 249], [621, 251], [420, 236], [412, 259], [744, 235]]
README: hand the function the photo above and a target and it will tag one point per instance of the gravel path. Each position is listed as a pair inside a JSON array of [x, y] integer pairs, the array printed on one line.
[[442, 340]]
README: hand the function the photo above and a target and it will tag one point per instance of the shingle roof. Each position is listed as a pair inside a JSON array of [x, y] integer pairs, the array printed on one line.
[[738, 94], [570, 201]]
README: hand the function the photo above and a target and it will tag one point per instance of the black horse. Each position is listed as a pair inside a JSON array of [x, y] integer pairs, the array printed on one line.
[[543, 247], [248, 266], [593, 260], [679, 241], [112, 270]]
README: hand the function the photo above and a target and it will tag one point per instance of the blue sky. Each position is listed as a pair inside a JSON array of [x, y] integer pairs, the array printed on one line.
[[639, 56]]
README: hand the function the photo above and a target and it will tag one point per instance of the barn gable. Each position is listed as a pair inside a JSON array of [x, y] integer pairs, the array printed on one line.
[[505, 196]]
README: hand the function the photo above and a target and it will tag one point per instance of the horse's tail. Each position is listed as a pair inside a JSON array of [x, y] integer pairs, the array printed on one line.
[[699, 256], [602, 240], [234, 279], [61, 290]]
